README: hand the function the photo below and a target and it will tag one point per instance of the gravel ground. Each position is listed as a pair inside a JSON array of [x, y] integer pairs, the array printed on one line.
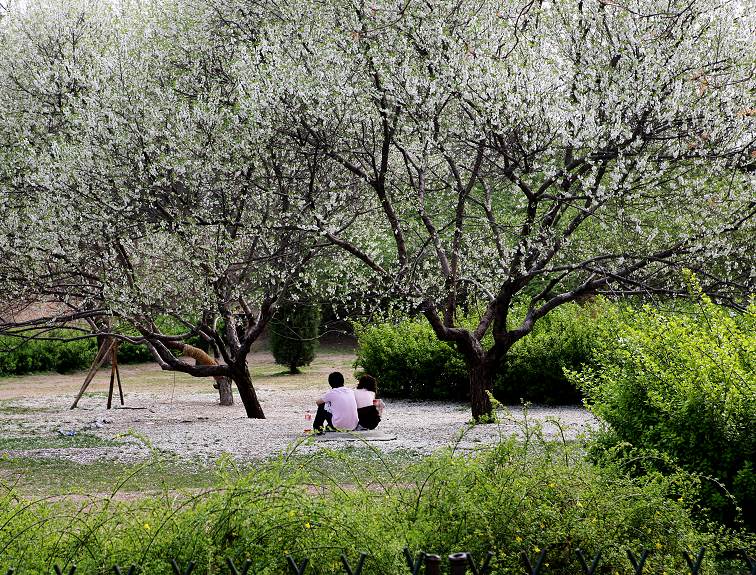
[[184, 418]]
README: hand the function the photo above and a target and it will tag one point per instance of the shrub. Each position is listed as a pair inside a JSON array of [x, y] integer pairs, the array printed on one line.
[[18, 358], [534, 368], [682, 388], [293, 335], [74, 355], [130, 353], [409, 361], [61, 356]]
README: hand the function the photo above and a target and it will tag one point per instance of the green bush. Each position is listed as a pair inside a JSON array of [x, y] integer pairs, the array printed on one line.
[[18, 358], [409, 361], [60, 356], [534, 368], [681, 390], [293, 335], [75, 355], [130, 353], [510, 498]]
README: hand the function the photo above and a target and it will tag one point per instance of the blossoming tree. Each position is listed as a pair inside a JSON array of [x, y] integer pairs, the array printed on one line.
[[143, 182], [192, 160], [537, 152]]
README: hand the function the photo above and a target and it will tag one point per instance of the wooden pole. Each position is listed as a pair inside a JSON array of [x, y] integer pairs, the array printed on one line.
[[112, 375], [117, 372], [99, 360]]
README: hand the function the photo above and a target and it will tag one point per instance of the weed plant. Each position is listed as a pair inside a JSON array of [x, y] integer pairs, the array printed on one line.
[[679, 391], [518, 495]]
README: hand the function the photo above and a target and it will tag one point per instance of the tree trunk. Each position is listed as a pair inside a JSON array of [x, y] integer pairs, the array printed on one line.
[[481, 381], [243, 382], [222, 384], [225, 391]]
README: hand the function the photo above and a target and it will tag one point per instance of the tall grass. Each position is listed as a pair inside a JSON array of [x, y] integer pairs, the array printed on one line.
[[514, 496]]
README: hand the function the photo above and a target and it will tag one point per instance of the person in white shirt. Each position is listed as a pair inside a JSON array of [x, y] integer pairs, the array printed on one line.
[[369, 409], [337, 409]]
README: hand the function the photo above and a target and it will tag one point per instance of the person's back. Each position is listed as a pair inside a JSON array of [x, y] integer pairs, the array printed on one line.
[[368, 407], [337, 409], [343, 407], [364, 397]]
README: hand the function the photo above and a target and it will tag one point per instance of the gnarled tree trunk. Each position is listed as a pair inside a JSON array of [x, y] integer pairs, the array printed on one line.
[[225, 391], [481, 375], [243, 381]]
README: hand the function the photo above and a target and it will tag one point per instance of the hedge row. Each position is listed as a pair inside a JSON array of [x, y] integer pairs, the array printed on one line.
[[409, 361], [19, 358]]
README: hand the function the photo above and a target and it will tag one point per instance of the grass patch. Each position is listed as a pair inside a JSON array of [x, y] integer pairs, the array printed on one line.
[[36, 477], [325, 468], [55, 441], [7, 407]]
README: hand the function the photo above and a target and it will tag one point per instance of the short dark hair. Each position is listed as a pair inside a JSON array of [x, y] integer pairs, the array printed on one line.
[[368, 382], [335, 379]]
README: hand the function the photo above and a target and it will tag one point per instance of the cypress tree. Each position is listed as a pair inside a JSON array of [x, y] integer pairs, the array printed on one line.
[[293, 334]]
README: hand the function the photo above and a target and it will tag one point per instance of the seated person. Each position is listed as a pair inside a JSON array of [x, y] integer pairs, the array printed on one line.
[[369, 409], [337, 408]]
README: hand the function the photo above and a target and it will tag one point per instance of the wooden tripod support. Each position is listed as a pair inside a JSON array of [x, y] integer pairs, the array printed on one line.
[[109, 348]]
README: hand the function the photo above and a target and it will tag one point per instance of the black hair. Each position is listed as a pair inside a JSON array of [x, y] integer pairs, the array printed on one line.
[[335, 379], [368, 382]]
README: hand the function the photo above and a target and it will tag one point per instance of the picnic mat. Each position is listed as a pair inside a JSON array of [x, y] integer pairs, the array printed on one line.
[[355, 436]]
